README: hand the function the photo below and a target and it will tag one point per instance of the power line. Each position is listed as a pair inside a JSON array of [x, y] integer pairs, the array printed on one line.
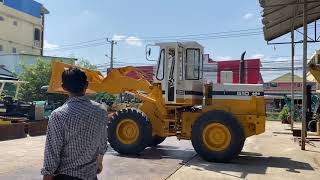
[[225, 36], [200, 36], [148, 64], [203, 34], [214, 35], [78, 47], [82, 42]]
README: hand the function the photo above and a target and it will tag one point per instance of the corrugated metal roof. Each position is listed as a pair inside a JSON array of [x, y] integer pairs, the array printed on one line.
[[279, 16], [286, 78], [6, 74]]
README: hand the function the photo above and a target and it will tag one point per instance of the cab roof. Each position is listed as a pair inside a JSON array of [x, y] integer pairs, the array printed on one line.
[[183, 43]]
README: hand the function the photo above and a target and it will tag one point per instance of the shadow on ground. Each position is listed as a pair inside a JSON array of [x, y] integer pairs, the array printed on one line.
[[162, 152], [250, 163]]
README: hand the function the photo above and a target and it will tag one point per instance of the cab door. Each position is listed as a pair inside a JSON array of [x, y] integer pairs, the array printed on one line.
[[171, 75], [180, 92]]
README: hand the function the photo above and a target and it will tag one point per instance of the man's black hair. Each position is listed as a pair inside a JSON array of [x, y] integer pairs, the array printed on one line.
[[74, 80]]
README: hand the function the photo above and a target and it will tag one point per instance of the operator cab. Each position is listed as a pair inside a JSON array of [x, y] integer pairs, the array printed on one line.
[[179, 70]]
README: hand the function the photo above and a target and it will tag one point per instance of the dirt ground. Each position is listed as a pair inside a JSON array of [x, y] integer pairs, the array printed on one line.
[[272, 155]]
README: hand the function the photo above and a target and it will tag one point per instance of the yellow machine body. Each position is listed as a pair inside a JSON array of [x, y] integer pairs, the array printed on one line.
[[250, 112], [314, 76], [178, 98]]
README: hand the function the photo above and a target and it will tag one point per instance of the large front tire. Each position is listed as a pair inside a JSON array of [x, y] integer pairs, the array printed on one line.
[[129, 132], [156, 140], [217, 136]]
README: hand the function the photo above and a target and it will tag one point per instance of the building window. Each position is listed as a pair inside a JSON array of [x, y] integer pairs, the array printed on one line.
[[15, 23], [14, 50], [298, 84], [273, 85], [1, 18], [37, 34]]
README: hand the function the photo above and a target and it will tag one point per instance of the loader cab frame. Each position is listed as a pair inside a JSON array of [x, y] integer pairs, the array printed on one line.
[[179, 69]]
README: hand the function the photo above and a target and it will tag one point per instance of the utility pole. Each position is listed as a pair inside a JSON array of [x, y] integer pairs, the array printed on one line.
[[304, 80], [112, 43], [292, 79]]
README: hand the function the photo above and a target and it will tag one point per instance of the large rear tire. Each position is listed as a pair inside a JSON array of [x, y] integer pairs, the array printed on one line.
[[129, 132], [217, 136]]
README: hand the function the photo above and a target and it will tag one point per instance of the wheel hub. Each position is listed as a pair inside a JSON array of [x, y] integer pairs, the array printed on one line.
[[127, 131], [216, 137]]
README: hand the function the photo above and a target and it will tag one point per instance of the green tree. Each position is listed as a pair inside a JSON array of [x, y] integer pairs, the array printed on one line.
[[37, 75], [109, 99], [284, 113]]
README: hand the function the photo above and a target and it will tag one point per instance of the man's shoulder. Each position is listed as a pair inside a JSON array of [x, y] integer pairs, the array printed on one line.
[[98, 107], [60, 109], [58, 112]]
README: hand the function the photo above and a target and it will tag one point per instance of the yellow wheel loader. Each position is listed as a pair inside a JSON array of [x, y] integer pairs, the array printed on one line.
[[313, 75], [217, 118]]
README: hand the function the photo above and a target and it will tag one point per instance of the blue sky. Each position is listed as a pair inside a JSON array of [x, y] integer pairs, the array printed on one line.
[[131, 22]]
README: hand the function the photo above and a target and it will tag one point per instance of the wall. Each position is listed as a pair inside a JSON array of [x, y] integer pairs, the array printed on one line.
[[229, 66], [213, 70], [21, 35], [252, 70], [147, 72], [30, 7], [284, 88], [14, 62], [210, 70]]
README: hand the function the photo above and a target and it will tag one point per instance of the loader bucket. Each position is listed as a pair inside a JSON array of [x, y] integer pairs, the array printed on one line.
[[93, 77], [315, 71], [116, 82]]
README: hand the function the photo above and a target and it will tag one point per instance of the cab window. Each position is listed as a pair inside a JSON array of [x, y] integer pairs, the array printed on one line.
[[160, 69], [192, 65]]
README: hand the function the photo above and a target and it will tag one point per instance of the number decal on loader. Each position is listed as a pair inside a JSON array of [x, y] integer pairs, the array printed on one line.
[[247, 93]]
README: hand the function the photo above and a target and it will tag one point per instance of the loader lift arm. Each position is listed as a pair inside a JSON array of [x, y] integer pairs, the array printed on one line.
[[116, 82], [314, 69]]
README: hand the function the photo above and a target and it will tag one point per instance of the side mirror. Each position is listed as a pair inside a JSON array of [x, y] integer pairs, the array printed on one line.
[[152, 52]]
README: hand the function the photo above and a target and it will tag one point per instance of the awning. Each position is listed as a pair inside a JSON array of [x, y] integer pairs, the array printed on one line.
[[280, 16], [6, 74]]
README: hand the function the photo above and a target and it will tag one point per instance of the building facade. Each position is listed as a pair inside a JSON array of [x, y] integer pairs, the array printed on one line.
[[281, 86], [278, 90], [228, 71], [146, 71], [21, 26]]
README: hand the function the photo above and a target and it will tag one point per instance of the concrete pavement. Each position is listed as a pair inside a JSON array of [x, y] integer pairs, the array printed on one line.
[[272, 155]]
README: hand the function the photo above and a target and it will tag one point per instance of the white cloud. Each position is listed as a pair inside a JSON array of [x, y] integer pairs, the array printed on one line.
[[260, 19], [248, 16], [224, 58], [117, 37], [48, 45], [257, 56], [130, 40], [134, 41]]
